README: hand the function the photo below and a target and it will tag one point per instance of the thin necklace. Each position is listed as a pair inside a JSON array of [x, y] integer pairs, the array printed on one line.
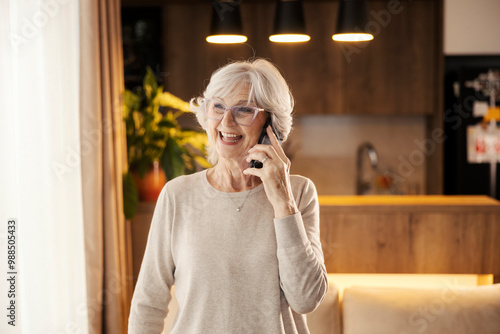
[[238, 208]]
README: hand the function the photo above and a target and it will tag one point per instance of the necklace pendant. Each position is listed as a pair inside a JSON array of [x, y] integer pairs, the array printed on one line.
[[238, 208]]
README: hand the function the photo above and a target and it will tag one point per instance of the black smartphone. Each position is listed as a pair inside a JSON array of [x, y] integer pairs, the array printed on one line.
[[264, 139]]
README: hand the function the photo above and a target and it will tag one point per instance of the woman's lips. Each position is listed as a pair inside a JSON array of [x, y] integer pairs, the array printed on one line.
[[229, 138]]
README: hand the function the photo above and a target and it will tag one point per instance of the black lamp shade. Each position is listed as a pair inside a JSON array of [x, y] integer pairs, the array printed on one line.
[[289, 18], [226, 21], [352, 18], [289, 21]]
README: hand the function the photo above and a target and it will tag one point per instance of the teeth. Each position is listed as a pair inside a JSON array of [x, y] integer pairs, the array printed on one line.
[[229, 135]]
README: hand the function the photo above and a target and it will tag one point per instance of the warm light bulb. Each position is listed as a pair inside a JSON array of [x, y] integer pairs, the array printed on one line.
[[289, 38], [226, 39], [352, 37]]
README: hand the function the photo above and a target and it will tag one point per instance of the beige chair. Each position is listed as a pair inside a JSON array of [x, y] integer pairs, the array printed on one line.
[[444, 310]]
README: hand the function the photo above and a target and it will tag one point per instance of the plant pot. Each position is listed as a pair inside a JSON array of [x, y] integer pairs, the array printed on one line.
[[150, 186]]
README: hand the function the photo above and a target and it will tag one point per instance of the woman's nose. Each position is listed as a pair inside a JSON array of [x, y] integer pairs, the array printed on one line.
[[227, 119]]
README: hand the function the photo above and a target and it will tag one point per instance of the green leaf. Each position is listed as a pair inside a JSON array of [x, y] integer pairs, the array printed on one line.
[[131, 102], [150, 85], [172, 161], [130, 196]]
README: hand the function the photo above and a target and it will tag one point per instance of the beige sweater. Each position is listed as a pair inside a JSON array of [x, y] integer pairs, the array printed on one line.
[[234, 272]]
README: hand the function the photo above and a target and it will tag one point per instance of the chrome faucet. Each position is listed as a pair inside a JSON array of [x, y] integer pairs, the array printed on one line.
[[362, 186]]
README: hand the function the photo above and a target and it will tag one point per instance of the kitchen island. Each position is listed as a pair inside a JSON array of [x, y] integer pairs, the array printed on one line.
[[411, 234]]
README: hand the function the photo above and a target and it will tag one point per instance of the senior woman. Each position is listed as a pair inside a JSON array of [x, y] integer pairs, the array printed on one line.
[[240, 244]]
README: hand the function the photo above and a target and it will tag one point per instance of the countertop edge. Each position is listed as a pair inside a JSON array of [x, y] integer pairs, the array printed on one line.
[[421, 200]]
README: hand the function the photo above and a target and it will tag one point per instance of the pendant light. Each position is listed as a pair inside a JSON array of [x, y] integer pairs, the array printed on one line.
[[226, 27], [352, 20], [289, 24]]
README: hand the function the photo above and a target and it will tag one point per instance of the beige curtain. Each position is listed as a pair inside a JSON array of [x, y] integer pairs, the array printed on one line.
[[109, 288]]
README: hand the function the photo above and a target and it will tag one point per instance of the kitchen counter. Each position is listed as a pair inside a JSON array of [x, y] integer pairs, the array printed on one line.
[[411, 234], [408, 200], [433, 203], [391, 234]]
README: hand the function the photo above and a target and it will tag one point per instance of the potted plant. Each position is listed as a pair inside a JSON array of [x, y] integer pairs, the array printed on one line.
[[158, 148]]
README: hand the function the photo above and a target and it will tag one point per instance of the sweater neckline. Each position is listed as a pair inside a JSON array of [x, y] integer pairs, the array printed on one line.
[[216, 192]]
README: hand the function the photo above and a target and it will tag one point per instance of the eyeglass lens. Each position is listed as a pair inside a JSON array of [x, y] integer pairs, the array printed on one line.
[[243, 115]]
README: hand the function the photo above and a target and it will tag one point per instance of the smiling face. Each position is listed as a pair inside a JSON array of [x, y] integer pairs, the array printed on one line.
[[231, 140]]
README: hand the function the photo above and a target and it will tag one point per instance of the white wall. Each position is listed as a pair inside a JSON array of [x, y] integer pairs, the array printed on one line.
[[471, 27]]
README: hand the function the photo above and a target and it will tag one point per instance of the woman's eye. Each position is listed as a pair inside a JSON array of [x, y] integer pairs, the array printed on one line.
[[219, 106], [244, 110]]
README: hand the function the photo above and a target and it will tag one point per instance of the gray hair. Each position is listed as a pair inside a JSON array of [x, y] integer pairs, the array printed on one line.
[[268, 89]]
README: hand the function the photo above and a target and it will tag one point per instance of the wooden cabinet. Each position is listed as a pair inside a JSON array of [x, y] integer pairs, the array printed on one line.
[[391, 234], [395, 74], [411, 234]]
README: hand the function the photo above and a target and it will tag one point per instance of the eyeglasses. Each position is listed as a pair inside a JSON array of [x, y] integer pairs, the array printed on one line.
[[242, 115]]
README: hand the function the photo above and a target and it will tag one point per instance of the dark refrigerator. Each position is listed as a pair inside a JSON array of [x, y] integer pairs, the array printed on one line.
[[460, 176]]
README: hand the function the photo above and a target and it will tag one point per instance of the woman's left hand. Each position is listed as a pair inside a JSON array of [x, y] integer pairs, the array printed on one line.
[[275, 175]]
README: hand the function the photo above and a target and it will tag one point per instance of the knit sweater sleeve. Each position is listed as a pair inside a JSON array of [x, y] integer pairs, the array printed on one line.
[[303, 276], [156, 277]]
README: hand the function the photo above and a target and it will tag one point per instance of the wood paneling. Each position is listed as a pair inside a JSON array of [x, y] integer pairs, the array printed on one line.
[[413, 237], [393, 75], [311, 69], [418, 234], [189, 59], [364, 243], [456, 243]]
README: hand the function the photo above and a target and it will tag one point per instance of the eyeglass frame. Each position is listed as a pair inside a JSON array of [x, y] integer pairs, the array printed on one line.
[[231, 109]]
